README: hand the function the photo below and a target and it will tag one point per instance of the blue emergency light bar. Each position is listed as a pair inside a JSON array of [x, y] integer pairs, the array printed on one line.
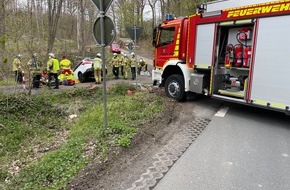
[[169, 17]]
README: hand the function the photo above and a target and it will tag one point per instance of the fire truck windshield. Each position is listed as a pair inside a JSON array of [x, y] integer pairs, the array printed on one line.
[[166, 36]]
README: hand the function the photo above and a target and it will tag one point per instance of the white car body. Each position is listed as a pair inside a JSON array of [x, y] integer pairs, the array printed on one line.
[[83, 71]]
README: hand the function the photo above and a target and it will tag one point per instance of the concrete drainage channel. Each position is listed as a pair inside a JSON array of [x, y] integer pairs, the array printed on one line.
[[163, 160]]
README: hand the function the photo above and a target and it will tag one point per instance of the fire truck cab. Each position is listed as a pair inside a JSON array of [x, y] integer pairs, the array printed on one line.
[[238, 54]]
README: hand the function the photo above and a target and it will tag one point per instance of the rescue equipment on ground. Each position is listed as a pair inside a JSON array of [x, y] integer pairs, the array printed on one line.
[[66, 77]]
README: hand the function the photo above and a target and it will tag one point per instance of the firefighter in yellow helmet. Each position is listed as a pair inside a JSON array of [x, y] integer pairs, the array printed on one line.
[[115, 64], [132, 62], [97, 66], [66, 76], [17, 69], [126, 65], [34, 71], [142, 64], [53, 69]]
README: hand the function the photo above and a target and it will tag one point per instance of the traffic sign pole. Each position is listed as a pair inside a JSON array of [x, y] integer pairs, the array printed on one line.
[[136, 62], [103, 6], [102, 14]]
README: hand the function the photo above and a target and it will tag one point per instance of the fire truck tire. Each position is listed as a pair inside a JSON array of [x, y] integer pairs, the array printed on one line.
[[174, 88]]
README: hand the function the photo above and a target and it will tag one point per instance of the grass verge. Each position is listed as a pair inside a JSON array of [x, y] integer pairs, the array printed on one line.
[[40, 158]]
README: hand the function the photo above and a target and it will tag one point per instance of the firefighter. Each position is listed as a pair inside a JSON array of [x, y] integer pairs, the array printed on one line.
[[142, 64], [126, 66], [65, 65], [115, 63], [34, 71], [53, 69], [133, 66], [16, 67], [97, 66], [66, 76]]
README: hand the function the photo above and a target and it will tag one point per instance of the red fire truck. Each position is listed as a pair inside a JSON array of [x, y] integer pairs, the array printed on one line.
[[239, 54]]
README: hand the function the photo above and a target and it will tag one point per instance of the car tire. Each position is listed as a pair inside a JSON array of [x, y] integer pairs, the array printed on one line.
[[81, 77]]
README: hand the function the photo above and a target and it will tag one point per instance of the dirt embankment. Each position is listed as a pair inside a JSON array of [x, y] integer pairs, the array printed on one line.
[[125, 165]]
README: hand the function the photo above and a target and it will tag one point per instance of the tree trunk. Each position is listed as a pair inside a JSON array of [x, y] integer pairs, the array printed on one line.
[[54, 9], [152, 5], [80, 28], [2, 31], [37, 16]]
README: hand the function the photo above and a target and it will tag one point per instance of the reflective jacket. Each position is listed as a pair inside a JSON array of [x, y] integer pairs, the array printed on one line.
[[126, 61], [33, 65], [132, 62], [121, 60], [65, 64], [16, 64], [141, 63], [53, 65], [115, 62], [97, 63]]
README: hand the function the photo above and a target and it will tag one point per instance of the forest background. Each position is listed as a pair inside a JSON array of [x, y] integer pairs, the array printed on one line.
[[64, 27]]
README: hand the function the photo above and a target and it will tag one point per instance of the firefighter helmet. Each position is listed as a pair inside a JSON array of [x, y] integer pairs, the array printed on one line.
[[51, 55], [99, 55]]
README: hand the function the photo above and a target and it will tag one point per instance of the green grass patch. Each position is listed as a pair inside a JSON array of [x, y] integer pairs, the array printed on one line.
[[6, 82], [41, 117]]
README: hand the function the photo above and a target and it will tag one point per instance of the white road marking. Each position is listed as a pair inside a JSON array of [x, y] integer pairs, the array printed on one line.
[[230, 163], [222, 112], [285, 155]]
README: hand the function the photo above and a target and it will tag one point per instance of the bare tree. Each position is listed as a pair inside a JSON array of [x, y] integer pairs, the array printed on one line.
[[54, 9], [80, 27], [140, 8], [37, 16], [152, 4], [2, 29]]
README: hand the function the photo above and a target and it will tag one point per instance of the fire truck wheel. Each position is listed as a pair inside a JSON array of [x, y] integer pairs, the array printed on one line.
[[174, 88]]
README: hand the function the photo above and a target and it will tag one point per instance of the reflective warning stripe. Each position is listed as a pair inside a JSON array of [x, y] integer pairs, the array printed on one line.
[[176, 49], [202, 66], [283, 106], [269, 104], [260, 102]]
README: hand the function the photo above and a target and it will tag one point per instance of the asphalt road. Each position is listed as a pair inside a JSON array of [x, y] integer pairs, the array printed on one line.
[[243, 148]]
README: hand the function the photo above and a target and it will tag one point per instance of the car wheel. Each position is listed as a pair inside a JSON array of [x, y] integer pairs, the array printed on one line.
[[174, 88], [81, 77]]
